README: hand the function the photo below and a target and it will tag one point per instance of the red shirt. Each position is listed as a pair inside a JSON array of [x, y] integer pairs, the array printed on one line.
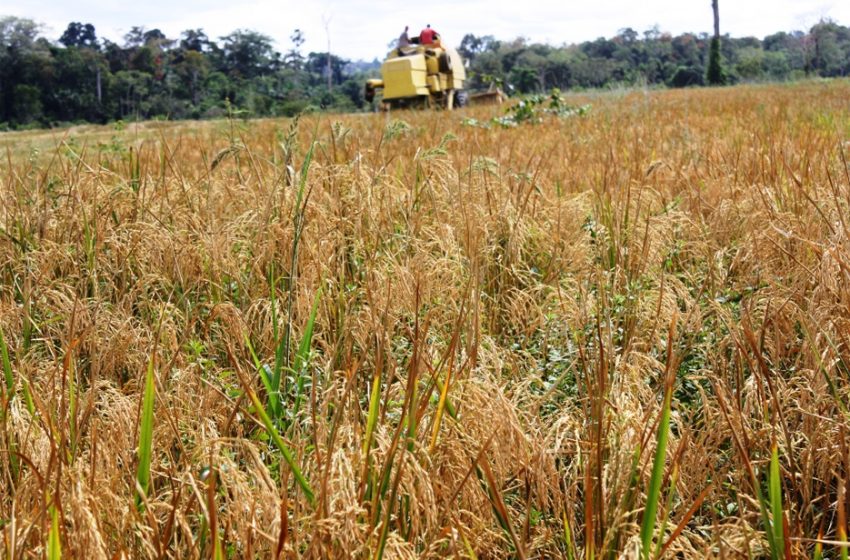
[[427, 36]]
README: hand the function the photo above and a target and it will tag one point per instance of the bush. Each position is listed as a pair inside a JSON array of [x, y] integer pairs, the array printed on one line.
[[292, 107], [686, 76]]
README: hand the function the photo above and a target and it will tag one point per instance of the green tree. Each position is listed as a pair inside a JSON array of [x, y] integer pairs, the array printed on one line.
[[247, 54], [192, 68], [776, 65], [79, 35], [76, 86], [195, 40], [294, 59], [831, 51], [750, 63], [132, 90], [22, 56], [524, 79], [317, 64]]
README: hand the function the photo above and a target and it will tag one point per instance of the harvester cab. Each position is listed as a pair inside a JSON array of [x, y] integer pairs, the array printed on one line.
[[420, 76]]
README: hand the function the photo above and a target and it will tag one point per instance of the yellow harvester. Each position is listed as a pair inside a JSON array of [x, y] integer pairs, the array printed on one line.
[[421, 76]]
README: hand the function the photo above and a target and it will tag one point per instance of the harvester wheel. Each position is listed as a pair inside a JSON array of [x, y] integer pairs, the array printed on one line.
[[461, 98]]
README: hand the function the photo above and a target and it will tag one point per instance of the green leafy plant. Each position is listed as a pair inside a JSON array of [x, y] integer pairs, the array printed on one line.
[[532, 109]]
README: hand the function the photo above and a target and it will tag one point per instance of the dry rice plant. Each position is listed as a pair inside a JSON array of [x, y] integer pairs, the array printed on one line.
[[622, 334]]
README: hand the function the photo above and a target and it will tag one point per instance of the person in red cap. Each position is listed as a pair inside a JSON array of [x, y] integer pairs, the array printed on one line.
[[428, 36]]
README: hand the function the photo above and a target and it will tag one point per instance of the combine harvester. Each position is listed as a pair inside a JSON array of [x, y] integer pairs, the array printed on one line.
[[425, 76]]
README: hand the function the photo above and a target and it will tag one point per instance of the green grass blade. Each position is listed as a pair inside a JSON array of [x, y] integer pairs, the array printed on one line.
[[818, 553], [268, 383], [775, 495], [54, 545], [10, 394], [72, 409], [302, 355], [284, 449], [30, 402], [411, 419], [143, 474], [273, 301], [466, 544], [441, 406], [450, 408], [218, 553], [274, 406], [254, 357], [372, 419], [264, 372], [272, 382], [647, 529], [667, 508], [7, 367], [568, 538], [305, 169], [763, 509]]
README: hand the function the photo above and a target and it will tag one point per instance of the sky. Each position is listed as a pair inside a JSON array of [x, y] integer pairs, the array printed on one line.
[[362, 30]]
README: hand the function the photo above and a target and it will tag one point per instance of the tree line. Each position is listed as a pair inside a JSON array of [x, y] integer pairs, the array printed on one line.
[[656, 58], [82, 77]]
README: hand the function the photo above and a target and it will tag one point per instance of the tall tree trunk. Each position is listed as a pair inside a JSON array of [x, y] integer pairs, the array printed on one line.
[[99, 87], [716, 19]]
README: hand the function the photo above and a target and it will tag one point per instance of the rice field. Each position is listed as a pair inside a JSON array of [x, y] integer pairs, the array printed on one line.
[[621, 334]]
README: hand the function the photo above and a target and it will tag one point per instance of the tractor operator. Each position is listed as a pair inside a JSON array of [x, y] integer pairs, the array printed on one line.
[[428, 36]]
